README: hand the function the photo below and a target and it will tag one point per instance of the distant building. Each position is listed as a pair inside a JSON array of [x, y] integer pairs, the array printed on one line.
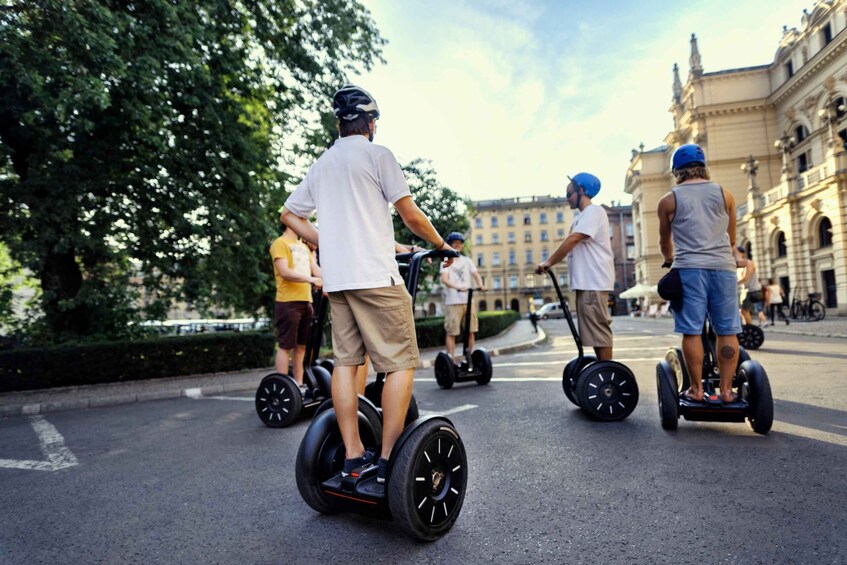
[[622, 234]]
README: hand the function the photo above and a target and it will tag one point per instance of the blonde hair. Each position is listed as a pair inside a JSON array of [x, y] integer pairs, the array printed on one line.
[[692, 172]]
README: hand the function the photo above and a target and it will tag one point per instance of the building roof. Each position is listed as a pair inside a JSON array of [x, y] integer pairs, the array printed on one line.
[[519, 201], [738, 70]]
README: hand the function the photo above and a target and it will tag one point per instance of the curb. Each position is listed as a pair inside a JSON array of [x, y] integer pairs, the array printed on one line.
[[810, 334]]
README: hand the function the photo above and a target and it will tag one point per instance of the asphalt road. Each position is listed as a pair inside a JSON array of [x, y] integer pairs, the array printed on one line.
[[202, 480]]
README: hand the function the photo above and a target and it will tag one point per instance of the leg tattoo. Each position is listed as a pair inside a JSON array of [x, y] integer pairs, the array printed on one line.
[[727, 351]]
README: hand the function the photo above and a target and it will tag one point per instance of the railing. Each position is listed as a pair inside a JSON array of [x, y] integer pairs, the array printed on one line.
[[740, 210], [812, 176], [772, 196], [804, 180]]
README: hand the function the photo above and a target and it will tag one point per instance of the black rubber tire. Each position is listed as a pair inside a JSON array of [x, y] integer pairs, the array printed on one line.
[[426, 510], [751, 337], [326, 364], [366, 408], [668, 399], [742, 357], [756, 390], [680, 371], [321, 455], [445, 371], [817, 311], [607, 391], [570, 376], [482, 363], [278, 401], [323, 381], [373, 392], [412, 413]]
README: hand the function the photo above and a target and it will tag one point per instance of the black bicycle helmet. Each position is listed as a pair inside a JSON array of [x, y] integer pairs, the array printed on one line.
[[350, 101]]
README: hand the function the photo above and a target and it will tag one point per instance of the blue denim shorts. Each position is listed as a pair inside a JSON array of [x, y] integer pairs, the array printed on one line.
[[707, 290]]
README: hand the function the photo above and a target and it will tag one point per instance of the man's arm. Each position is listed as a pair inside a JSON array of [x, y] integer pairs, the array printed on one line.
[[666, 211], [420, 225], [478, 280], [281, 266], [301, 226], [316, 269], [566, 247], [445, 280], [730, 227]]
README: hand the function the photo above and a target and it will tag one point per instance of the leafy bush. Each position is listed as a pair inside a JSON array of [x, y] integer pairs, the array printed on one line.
[[431, 330], [118, 361]]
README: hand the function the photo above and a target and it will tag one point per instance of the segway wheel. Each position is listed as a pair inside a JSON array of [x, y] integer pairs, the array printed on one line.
[[445, 371], [668, 403], [373, 392], [322, 379], [607, 391], [742, 357], [571, 375], [756, 390], [677, 365], [278, 401], [482, 363], [326, 364], [366, 408], [427, 480], [751, 337], [321, 456]]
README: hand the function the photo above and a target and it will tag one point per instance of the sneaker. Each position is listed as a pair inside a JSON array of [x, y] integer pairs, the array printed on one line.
[[765, 324], [351, 465], [382, 470]]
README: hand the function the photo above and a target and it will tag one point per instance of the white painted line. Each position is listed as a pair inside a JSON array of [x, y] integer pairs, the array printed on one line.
[[455, 410], [241, 398], [193, 392], [549, 363], [52, 445], [565, 353]]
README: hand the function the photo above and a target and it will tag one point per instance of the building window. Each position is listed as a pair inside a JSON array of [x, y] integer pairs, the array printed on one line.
[[562, 280], [498, 304], [789, 70], [628, 228], [611, 231], [804, 162], [494, 222], [825, 233], [510, 220], [495, 238], [480, 260], [545, 254], [630, 251], [483, 305], [510, 237], [528, 255], [513, 281], [495, 258], [840, 107], [560, 217], [545, 281], [513, 260], [543, 218], [544, 235], [801, 133], [527, 219], [530, 281], [498, 283], [781, 249], [527, 236], [560, 233], [478, 222], [826, 34], [479, 240]]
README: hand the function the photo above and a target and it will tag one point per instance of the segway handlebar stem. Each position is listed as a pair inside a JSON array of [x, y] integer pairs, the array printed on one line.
[[414, 260], [564, 303]]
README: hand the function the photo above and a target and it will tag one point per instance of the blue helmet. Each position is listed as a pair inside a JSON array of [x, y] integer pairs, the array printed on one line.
[[454, 236], [589, 184], [688, 154]]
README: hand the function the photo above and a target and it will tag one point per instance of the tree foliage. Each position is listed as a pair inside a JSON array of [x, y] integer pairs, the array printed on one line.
[[144, 146]]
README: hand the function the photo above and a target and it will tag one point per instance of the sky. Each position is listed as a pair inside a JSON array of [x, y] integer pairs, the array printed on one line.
[[506, 97]]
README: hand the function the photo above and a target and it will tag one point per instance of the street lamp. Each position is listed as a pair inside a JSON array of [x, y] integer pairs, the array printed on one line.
[[751, 167], [785, 145]]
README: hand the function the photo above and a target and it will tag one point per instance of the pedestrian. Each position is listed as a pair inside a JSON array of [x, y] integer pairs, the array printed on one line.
[[777, 299], [753, 301], [295, 271], [351, 186], [697, 237], [591, 267], [457, 280]]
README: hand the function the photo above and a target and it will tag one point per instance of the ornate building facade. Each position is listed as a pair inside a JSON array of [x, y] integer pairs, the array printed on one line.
[[775, 137]]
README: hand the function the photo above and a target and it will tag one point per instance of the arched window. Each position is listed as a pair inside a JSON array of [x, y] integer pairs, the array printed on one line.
[[781, 249], [483, 306], [824, 233], [516, 306], [498, 304], [801, 133]]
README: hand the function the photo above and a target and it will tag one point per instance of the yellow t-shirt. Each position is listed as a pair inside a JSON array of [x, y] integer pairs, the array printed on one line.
[[300, 260]]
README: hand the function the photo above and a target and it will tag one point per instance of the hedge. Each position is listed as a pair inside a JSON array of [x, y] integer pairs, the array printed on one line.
[[121, 361]]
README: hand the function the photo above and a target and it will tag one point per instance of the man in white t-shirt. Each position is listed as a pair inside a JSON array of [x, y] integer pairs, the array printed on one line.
[[351, 186], [591, 264], [457, 280]]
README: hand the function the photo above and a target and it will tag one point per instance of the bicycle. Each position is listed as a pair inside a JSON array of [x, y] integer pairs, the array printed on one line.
[[811, 309]]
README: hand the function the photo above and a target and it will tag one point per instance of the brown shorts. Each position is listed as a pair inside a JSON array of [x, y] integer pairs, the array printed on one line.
[[293, 322], [377, 321], [592, 314], [454, 319]]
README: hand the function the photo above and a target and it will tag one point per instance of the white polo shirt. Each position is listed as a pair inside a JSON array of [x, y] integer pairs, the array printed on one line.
[[591, 264], [351, 186]]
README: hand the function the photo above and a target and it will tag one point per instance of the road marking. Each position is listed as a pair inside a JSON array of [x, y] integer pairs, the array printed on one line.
[[562, 353], [548, 363], [455, 410], [52, 445], [811, 433], [242, 398]]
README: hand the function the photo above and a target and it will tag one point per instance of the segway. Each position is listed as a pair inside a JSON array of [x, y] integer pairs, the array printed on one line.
[[475, 367], [751, 337], [604, 390], [279, 401], [427, 474], [754, 404]]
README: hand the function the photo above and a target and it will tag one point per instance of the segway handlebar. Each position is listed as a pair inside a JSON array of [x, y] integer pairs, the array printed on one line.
[[412, 263], [564, 303]]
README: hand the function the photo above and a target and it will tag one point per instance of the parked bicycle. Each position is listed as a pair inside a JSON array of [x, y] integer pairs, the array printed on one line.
[[811, 309]]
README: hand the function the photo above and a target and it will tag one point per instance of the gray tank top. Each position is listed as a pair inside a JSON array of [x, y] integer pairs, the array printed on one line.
[[699, 228]]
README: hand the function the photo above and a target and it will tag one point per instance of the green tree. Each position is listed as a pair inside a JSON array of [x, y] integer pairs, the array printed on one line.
[[145, 145]]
